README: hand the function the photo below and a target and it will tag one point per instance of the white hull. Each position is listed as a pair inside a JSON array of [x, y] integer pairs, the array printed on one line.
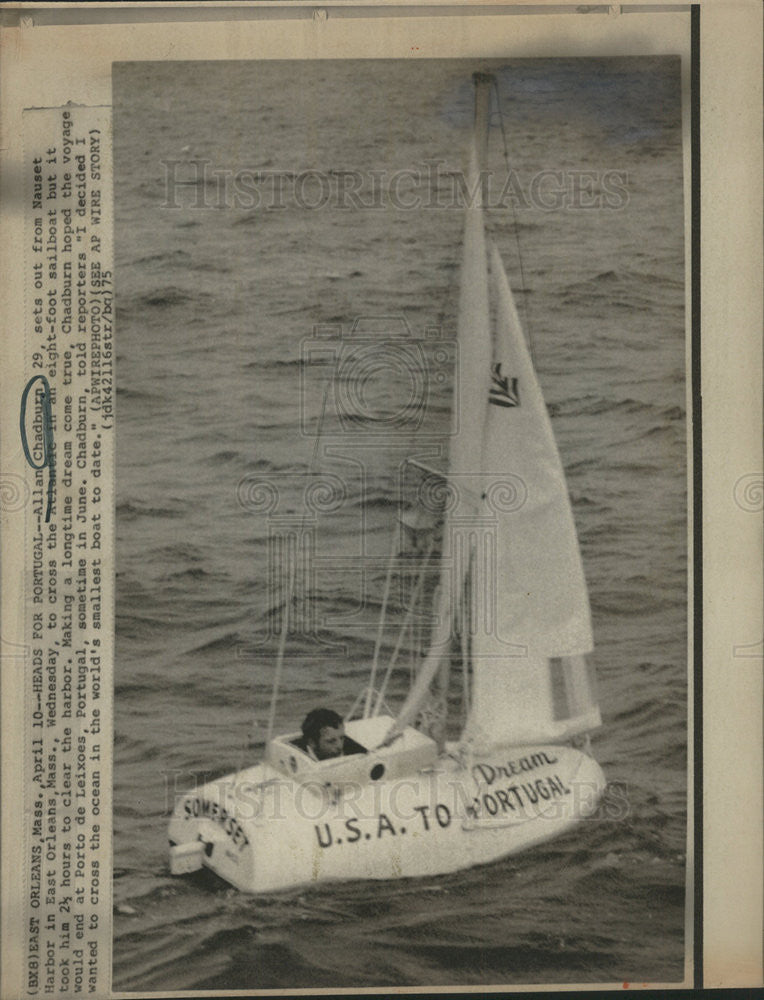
[[262, 831]]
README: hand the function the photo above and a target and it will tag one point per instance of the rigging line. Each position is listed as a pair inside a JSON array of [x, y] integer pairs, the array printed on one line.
[[412, 652], [466, 627], [382, 613], [404, 626], [418, 645], [526, 307], [285, 548]]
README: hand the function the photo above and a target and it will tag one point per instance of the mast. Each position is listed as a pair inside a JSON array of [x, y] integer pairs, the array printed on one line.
[[484, 84], [471, 387]]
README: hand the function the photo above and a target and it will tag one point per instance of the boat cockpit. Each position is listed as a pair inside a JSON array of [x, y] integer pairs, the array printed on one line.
[[363, 759]]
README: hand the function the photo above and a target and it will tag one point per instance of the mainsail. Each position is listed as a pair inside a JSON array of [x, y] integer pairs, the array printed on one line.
[[509, 529], [471, 383]]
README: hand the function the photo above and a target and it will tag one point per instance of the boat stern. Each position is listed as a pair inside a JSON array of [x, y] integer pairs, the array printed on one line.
[[214, 826]]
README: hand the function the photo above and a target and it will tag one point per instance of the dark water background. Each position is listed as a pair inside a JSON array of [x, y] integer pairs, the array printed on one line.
[[216, 305]]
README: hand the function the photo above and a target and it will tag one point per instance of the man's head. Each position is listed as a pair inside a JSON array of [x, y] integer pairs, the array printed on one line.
[[324, 733]]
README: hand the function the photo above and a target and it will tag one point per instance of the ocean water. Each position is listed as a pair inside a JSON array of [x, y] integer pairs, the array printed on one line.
[[232, 290]]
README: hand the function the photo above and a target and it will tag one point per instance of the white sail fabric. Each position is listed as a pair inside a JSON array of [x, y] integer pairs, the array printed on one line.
[[471, 382], [511, 527], [532, 622]]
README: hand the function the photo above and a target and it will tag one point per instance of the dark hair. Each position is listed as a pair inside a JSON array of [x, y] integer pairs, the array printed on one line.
[[318, 719]]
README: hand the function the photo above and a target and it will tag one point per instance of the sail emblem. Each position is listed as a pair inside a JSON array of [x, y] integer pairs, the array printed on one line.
[[504, 390]]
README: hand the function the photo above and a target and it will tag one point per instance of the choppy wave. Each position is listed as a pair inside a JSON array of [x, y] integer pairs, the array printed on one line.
[[130, 509]]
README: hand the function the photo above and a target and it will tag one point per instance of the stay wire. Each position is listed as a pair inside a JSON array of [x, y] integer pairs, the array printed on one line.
[[526, 307], [285, 549]]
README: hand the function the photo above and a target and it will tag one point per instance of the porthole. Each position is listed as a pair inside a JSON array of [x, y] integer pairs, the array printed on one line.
[[377, 771]]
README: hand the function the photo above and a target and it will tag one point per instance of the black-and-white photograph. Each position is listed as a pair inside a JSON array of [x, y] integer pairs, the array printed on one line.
[[401, 672]]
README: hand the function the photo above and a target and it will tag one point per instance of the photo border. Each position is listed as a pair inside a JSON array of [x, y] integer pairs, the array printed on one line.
[[705, 742]]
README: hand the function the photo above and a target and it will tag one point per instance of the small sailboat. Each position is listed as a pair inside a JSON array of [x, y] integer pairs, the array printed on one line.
[[402, 800]]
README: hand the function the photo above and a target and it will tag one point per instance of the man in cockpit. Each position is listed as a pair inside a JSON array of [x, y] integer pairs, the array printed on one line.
[[323, 734]]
